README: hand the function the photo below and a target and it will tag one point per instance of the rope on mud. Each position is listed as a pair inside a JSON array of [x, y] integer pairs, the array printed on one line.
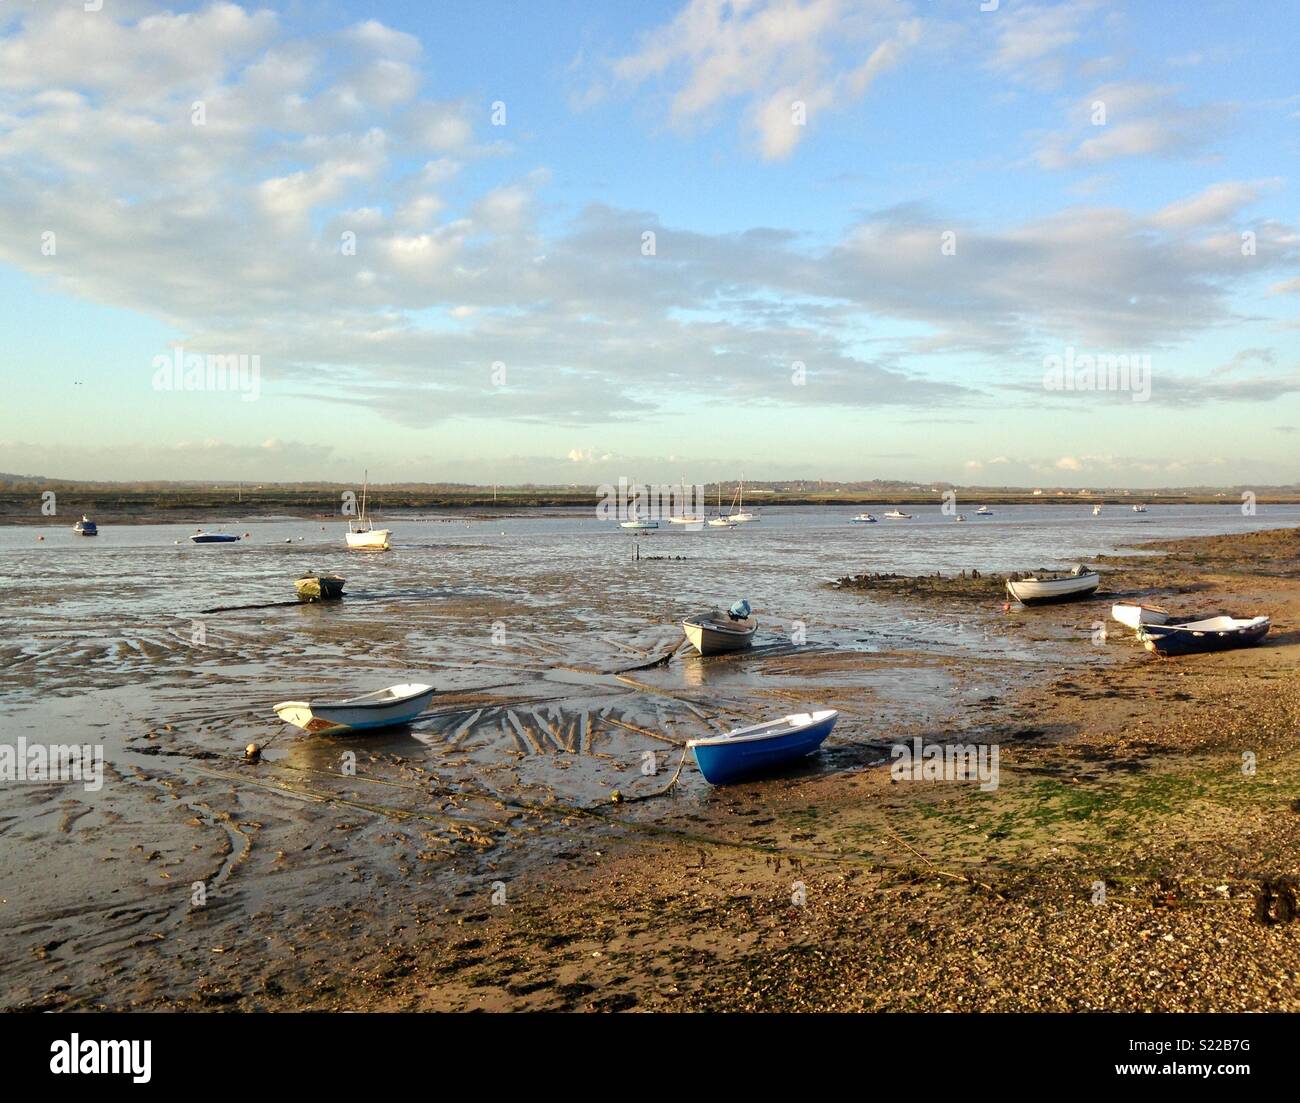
[[618, 797]]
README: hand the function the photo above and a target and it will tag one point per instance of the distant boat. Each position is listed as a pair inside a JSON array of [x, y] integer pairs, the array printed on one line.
[[85, 527], [716, 632], [741, 516], [862, 519], [685, 518], [1096, 510], [639, 525], [1139, 509], [1193, 637], [361, 534], [721, 522], [1048, 588], [319, 587], [382, 709], [898, 515], [961, 517], [983, 511], [746, 751], [201, 537]]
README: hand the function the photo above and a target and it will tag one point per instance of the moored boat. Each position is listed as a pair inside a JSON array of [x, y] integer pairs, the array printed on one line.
[[961, 517], [1197, 636], [898, 515], [740, 514], [201, 537], [983, 511], [384, 708], [86, 527], [719, 521], [361, 534], [744, 752], [1139, 509], [717, 632], [862, 519], [638, 525], [1096, 511], [1043, 589], [319, 587]]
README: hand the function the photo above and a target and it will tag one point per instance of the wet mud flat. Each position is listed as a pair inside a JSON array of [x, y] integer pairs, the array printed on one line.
[[476, 860], [194, 878]]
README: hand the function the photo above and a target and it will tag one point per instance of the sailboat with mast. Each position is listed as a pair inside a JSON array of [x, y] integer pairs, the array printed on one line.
[[685, 518], [741, 515], [361, 534], [719, 521]]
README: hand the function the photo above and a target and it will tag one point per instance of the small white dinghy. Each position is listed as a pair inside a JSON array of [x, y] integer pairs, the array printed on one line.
[[1134, 616], [1042, 589], [381, 709], [716, 632]]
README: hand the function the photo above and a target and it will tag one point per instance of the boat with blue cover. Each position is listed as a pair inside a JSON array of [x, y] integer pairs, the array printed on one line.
[[744, 752], [86, 527], [201, 537]]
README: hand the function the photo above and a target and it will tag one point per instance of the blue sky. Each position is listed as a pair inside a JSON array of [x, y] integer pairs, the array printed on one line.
[[873, 223]]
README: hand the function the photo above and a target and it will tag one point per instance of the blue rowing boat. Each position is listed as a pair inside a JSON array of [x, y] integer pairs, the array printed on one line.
[[743, 752], [1197, 636]]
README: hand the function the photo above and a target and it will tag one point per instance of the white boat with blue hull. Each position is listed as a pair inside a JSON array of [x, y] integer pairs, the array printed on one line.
[[862, 519], [757, 749], [1197, 636], [85, 527]]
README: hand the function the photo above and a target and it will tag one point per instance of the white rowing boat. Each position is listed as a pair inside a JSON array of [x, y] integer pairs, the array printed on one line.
[[1133, 616], [716, 632], [397, 704], [1043, 589]]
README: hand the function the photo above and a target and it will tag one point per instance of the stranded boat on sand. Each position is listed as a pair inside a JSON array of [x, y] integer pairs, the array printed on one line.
[[201, 537], [1196, 636], [716, 632], [319, 587], [745, 751], [1043, 589], [397, 704]]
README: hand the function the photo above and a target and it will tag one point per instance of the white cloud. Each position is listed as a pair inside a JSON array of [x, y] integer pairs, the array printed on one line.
[[1131, 119], [769, 55], [1216, 204]]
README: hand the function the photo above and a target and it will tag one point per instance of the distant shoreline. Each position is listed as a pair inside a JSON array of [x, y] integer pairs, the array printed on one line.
[[153, 507]]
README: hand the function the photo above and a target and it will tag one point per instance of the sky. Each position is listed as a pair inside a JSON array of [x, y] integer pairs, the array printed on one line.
[[568, 242]]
